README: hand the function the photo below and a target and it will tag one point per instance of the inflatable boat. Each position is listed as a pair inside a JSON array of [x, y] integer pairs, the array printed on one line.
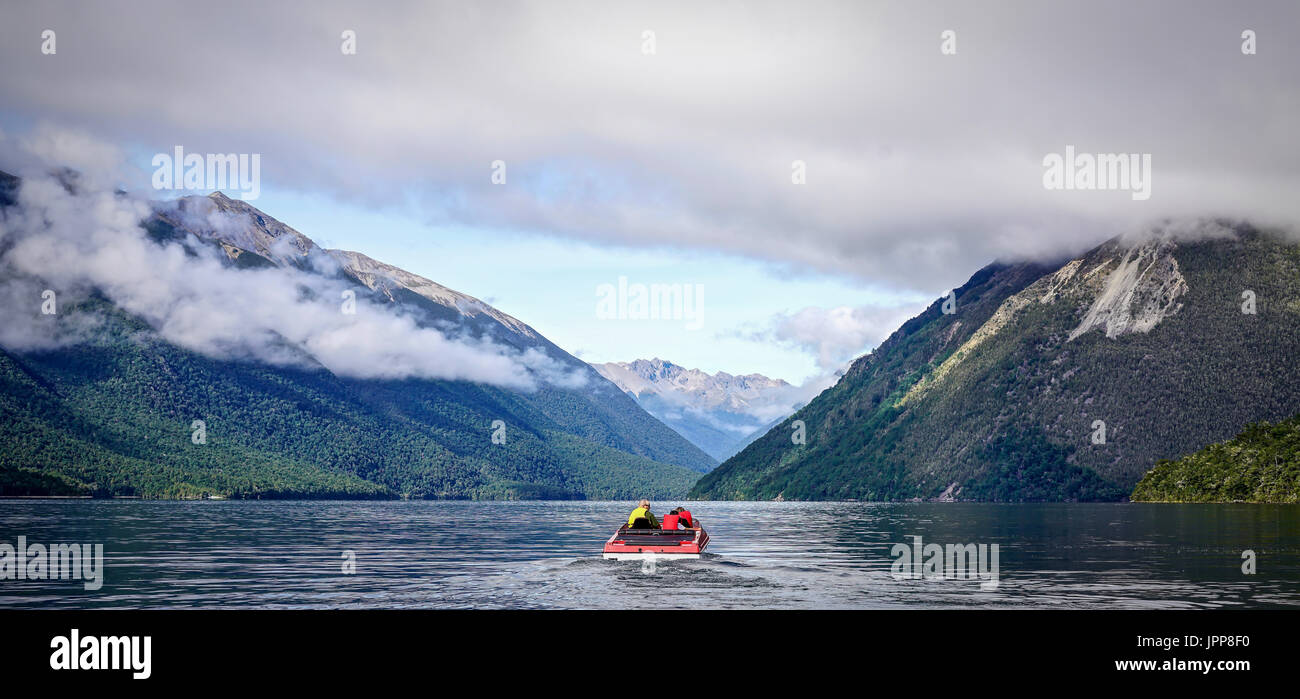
[[641, 544]]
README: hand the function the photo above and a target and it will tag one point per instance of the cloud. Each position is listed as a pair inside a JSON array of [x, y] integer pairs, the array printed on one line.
[[836, 336], [921, 167], [78, 240]]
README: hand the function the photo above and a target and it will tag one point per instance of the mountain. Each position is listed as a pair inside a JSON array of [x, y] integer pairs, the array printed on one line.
[[253, 239], [113, 414], [1262, 464], [1053, 382], [719, 413]]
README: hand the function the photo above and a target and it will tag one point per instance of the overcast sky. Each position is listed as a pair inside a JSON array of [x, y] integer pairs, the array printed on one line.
[[675, 166]]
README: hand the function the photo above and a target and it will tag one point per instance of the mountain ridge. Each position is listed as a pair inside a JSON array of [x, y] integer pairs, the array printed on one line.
[[116, 412], [1140, 343], [718, 412]]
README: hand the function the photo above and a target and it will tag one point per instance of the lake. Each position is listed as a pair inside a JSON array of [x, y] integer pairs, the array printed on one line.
[[268, 554]]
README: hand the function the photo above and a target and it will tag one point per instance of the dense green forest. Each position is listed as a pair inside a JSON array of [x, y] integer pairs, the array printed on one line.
[[116, 417], [1262, 464], [115, 414], [950, 404]]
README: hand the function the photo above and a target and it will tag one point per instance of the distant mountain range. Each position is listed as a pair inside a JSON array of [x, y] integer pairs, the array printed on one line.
[[113, 414], [1062, 381], [720, 413]]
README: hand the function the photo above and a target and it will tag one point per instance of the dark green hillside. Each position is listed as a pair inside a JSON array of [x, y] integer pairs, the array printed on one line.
[[114, 418], [112, 415], [1262, 464], [844, 420], [598, 412], [921, 418]]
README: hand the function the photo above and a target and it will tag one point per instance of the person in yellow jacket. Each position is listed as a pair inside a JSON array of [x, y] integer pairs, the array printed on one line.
[[642, 512]]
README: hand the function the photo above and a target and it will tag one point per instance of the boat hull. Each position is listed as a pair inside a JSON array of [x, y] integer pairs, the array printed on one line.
[[658, 544], [649, 556]]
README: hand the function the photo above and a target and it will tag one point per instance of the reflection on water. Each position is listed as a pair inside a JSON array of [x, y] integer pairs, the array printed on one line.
[[547, 555]]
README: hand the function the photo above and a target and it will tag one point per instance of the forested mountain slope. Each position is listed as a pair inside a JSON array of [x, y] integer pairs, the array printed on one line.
[[1262, 464], [1056, 382], [115, 413]]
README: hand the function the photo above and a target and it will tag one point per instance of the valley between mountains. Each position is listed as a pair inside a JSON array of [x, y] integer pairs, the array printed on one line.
[[1048, 381]]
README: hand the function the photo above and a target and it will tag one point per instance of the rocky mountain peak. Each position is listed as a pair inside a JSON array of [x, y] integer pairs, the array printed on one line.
[[718, 412]]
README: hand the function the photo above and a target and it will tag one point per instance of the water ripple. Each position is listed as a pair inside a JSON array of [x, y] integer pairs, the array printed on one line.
[[546, 555]]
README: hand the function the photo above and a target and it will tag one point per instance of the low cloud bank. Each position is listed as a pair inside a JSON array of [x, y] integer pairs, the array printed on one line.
[[833, 336], [921, 166], [75, 237]]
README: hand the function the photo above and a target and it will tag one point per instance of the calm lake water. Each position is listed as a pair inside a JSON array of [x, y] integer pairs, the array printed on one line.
[[547, 555]]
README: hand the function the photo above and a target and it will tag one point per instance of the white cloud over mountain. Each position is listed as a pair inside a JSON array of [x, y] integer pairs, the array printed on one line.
[[70, 236], [838, 335], [921, 167]]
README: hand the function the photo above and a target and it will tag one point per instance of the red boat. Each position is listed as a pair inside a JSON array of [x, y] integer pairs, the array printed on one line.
[[640, 544]]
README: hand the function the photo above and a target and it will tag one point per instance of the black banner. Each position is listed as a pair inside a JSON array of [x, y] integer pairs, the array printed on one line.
[[939, 650]]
